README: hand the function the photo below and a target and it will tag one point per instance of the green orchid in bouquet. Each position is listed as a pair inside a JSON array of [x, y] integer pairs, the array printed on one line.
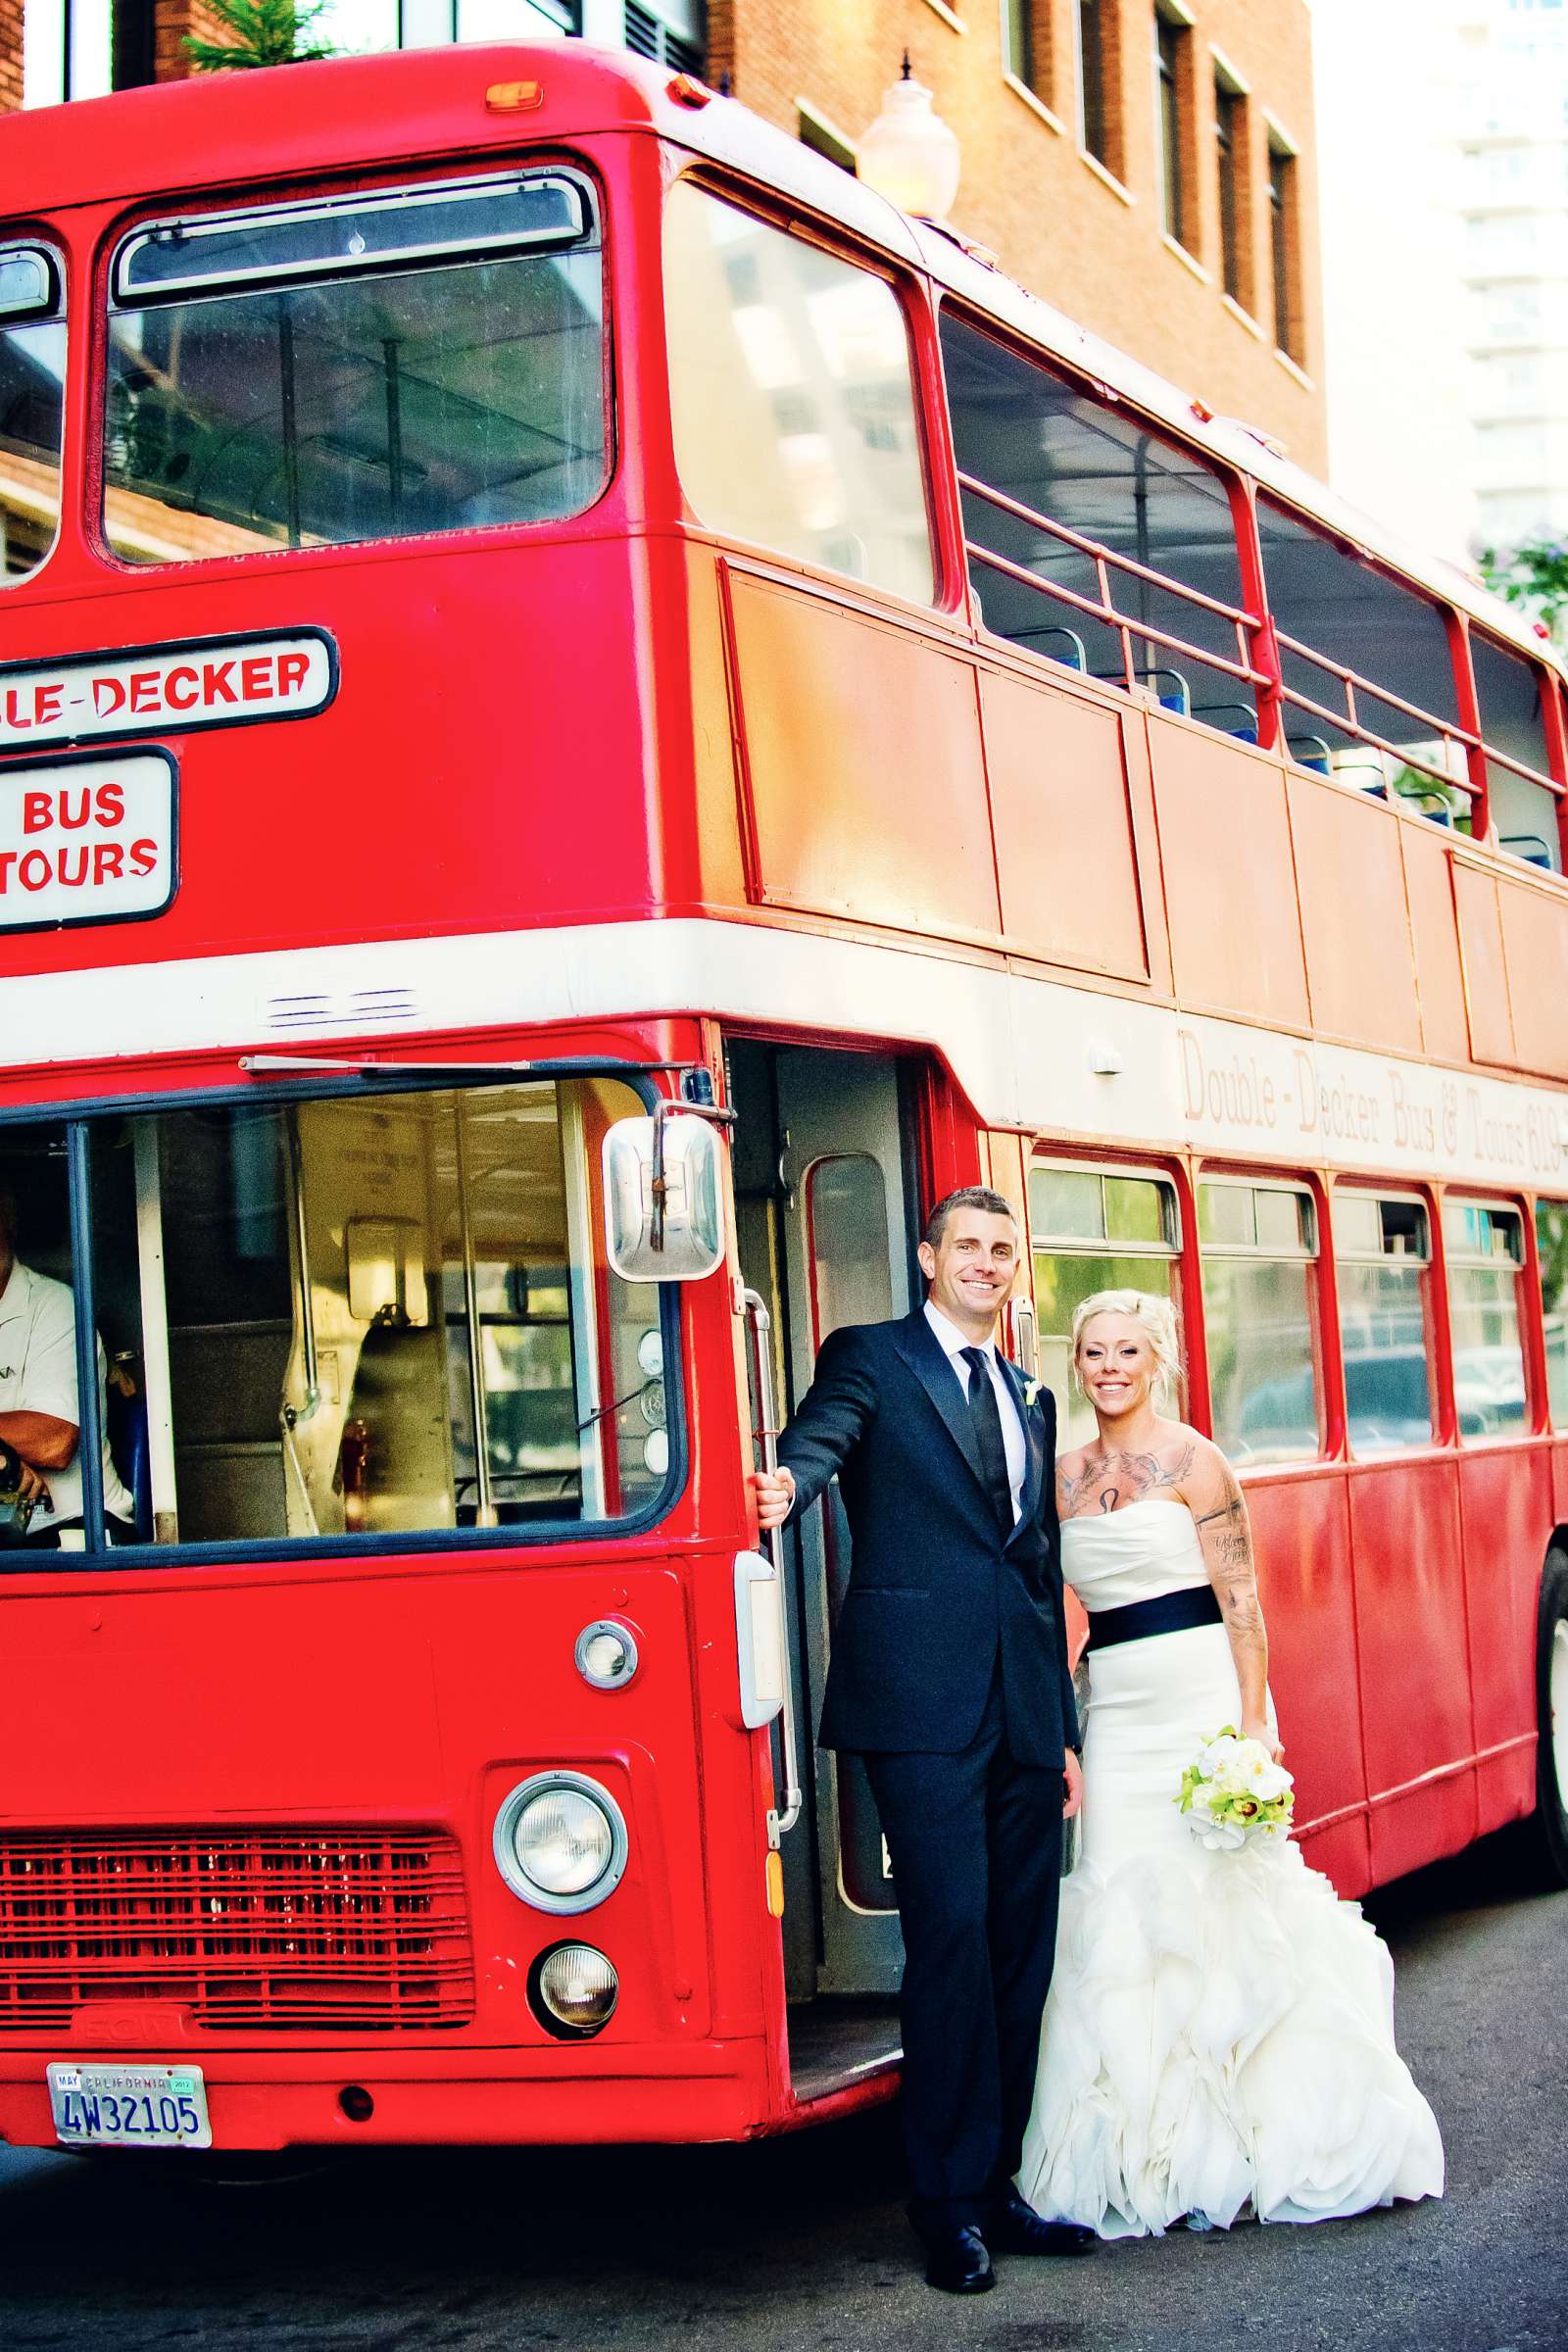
[[1233, 1790]]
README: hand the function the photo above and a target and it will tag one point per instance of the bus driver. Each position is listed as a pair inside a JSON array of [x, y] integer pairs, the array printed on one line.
[[38, 1407]]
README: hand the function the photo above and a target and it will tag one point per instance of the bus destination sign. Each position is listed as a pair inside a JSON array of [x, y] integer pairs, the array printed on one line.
[[166, 689], [86, 840]]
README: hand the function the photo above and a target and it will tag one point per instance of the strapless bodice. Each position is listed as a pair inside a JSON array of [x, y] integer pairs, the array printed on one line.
[[1119, 1557]]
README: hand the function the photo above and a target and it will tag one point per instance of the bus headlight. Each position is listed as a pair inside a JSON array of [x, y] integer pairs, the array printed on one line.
[[560, 1841], [572, 1991]]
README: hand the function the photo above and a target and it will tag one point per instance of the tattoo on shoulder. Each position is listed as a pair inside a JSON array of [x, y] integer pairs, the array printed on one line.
[[1108, 1482]]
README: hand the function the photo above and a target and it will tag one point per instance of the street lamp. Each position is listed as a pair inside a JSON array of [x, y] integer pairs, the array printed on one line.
[[908, 154]]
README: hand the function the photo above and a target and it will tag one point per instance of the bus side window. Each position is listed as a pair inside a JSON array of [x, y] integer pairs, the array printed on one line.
[[1259, 1244], [32, 371], [1383, 1265], [1095, 1228], [793, 397], [1525, 807], [1551, 1247], [381, 1314], [1336, 612], [1088, 473], [1483, 1244]]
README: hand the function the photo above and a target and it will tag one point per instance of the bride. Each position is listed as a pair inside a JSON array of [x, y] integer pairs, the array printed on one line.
[[1219, 2035]]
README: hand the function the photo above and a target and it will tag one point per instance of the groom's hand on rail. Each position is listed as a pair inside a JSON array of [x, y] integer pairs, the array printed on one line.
[[1073, 1773], [774, 1491]]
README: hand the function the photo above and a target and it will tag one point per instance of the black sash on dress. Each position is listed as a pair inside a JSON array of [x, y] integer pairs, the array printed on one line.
[[1166, 1613]]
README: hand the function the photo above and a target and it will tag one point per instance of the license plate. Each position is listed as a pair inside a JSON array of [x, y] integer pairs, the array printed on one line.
[[129, 2107]]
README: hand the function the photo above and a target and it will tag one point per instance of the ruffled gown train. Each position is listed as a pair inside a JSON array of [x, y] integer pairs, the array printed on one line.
[[1219, 2036]]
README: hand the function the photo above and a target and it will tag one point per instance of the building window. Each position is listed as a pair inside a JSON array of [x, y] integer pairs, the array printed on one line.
[[1383, 1257], [1173, 42], [1234, 209], [1260, 1313], [1026, 44], [1284, 240], [1096, 124], [670, 34]]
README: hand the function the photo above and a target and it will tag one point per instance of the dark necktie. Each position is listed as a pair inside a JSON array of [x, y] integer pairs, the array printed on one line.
[[986, 1422]]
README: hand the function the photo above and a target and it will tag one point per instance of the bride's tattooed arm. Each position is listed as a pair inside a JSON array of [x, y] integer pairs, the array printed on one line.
[[1219, 1513]]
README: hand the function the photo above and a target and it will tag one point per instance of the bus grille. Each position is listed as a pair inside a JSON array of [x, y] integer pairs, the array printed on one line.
[[292, 1930]]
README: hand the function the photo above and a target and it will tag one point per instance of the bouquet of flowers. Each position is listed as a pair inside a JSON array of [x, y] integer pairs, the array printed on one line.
[[1233, 1790]]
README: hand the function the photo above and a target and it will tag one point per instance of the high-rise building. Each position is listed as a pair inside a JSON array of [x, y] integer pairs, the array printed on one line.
[[1147, 166], [1512, 140]]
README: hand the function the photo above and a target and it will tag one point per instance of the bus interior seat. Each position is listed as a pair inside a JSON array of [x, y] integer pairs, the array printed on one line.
[[1531, 848], [1072, 654], [1219, 714], [1168, 687]]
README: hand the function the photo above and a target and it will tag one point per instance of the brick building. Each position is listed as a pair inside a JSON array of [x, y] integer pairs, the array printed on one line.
[[1144, 165]]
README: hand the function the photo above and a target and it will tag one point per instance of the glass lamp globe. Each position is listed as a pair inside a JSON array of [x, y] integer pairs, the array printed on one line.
[[908, 154]]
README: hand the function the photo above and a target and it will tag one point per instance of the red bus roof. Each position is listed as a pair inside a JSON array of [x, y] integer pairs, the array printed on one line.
[[241, 129]]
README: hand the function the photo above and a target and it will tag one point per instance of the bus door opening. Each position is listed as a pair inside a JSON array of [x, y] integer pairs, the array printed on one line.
[[824, 1217]]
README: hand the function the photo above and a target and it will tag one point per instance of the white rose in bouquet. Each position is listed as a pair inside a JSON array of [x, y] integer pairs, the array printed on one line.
[[1233, 1792]]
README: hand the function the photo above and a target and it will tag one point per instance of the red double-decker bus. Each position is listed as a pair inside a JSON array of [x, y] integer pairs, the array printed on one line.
[[591, 718]]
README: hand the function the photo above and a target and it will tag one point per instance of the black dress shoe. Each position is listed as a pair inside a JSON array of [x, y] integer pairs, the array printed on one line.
[[1015, 2227], [956, 2259]]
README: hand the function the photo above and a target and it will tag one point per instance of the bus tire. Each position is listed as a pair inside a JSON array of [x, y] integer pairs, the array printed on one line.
[[1549, 1822]]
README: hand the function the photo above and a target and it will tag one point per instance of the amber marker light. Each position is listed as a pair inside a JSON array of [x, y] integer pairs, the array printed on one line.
[[773, 1878], [687, 90], [514, 97]]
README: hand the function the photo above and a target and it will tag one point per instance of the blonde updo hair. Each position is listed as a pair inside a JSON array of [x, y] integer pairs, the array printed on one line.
[[1155, 1317]]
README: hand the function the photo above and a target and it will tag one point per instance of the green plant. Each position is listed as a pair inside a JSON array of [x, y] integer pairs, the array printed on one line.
[[1534, 573], [267, 32]]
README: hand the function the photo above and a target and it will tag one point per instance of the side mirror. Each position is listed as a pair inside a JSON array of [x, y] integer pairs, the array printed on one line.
[[664, 1198]]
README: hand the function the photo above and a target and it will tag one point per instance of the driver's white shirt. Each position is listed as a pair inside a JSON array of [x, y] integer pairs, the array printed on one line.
[[38, 1375]]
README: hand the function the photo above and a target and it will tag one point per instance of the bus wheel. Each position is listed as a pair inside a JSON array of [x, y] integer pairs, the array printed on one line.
[[1550, 1822]]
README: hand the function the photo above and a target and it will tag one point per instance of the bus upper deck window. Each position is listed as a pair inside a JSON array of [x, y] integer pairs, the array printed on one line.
[[792, 394], [33, 368], [364, 367], [1079, 519], [1367, 671], [1524, 806]]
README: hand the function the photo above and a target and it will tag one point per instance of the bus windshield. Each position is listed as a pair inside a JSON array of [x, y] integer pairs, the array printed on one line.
[[345, 1316], [424, 360]]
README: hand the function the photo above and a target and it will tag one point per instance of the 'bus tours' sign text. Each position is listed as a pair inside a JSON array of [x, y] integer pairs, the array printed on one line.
[[86, 840]]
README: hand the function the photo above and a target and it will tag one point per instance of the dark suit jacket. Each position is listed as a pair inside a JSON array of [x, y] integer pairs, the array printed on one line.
[[936, 1588]]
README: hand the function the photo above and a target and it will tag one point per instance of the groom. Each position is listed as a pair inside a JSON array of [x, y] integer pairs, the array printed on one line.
[[950, 1676]]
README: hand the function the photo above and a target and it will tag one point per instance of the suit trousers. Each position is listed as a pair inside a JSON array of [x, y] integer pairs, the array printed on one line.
[[975, 1841]]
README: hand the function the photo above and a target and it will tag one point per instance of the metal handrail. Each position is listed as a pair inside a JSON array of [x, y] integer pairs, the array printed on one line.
[[1237, 613], [1111, 618], [759, 1323]]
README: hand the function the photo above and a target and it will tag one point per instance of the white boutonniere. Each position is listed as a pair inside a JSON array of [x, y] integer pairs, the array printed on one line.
[[1031, 1394]]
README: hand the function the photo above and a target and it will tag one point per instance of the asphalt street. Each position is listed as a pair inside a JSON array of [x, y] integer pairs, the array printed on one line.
[[801, 2242]]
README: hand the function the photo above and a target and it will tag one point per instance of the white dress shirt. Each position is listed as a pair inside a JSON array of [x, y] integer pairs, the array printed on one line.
[[38, 1375], [951, 1342]]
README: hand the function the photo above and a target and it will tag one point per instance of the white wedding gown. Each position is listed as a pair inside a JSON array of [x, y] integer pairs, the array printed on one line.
[[1219, 2036]]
